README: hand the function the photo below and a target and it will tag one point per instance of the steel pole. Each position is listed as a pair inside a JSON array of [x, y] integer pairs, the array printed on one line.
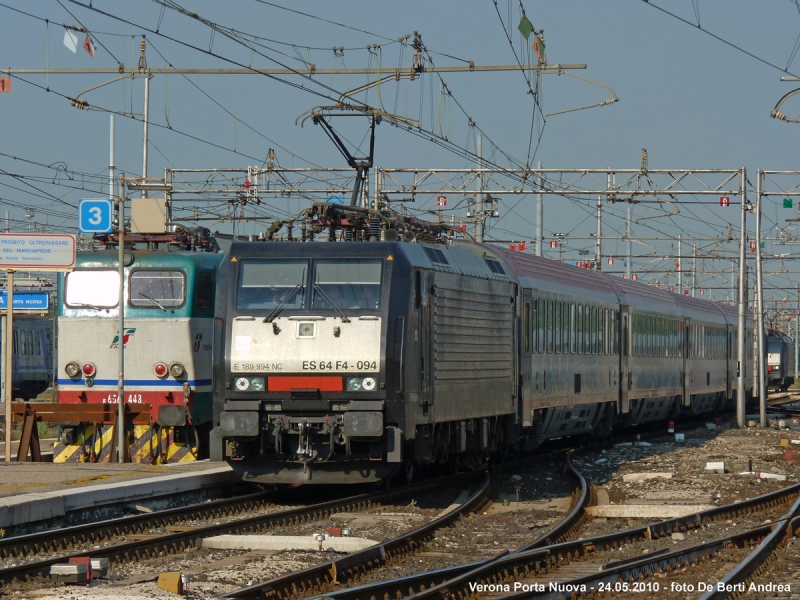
[[796, 331], [539, 249], [121, 340], [762, 375], [145, 134], [680, 266], [597, 247], [8, 366], [741, 371], [628, 231], [111, 159], [479, 206]]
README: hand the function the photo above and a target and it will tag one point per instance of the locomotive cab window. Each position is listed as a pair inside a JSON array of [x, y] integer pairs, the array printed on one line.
[[265, 285], [92, 289], [157, 289], [347, 283]]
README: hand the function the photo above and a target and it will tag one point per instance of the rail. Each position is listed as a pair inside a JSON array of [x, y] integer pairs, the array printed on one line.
[[317, 578]]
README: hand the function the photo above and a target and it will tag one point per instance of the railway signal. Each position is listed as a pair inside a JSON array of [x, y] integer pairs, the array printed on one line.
[[724, 201]]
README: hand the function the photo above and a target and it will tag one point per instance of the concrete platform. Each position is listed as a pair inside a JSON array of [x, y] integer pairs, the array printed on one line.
[[31, 492]]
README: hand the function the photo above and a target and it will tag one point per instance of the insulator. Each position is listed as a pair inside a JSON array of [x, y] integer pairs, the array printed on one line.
[[348, 235], [289, 231], [374, 228], [303, 231]]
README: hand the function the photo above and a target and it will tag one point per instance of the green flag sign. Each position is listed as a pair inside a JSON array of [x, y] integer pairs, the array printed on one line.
[[787, 203], [525, 27]]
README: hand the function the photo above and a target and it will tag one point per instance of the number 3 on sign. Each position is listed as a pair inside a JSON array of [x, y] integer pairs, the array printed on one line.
[[95, 215]]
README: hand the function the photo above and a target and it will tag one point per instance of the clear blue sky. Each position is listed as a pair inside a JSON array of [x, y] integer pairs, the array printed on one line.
[[690, 99]]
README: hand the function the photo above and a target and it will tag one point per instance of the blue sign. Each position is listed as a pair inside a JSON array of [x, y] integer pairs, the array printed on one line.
[[94, 215], [26, 300], [335, 199]]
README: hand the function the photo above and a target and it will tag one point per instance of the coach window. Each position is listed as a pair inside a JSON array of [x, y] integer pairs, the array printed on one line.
[[549, 327], [30, 342], [541, 325], [92, 289], [15, 349], [37, 344], [557, 327], [572, 333], [526, 327], [579, 329]]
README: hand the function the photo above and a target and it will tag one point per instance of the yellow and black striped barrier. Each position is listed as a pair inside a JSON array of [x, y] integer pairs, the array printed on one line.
[[148, 444]]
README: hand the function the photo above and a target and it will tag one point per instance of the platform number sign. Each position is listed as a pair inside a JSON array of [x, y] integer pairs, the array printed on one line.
[[94, 215]]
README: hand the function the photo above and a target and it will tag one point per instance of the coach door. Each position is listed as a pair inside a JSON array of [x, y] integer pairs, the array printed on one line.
[[625, 377], [687, 362], [730, 361], [526, 342]]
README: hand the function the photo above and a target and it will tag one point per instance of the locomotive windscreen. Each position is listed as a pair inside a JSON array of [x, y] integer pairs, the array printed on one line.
[[268, 284], [157, 288], [95, 288], [347, 283]]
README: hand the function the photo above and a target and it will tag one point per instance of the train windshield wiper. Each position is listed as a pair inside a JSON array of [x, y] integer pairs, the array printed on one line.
[[335, 308], [153, 300], [82, 305], [275, 311]]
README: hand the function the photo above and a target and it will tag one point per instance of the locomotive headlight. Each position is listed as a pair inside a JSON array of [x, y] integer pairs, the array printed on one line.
[[250, 384], [176, 369], [305, 330], [360, 384], [72, 369]]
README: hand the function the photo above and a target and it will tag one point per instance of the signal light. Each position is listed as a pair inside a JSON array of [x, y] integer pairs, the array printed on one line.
[[160, 369], [88, 370]]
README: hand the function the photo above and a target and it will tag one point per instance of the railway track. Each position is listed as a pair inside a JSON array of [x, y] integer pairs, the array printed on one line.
[[177, 538], [409, 585], [589, 563], [319, 577]]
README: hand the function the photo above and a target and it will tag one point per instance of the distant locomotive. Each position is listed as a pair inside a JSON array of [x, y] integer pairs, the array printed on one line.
[[780, 361], [169, 312], [345, 362], [32, 360]]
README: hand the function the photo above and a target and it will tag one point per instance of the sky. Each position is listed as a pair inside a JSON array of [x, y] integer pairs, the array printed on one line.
[[696, 81]]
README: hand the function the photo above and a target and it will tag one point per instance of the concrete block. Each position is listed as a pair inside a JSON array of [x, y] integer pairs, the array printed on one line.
[[715, 467], [286, 542], [711, 425], [171, 582], [646, 476], [679, 437], [646, 511]]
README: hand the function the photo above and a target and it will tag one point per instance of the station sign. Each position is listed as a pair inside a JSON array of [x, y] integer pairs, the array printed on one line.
[[38, 301], [37, 251]]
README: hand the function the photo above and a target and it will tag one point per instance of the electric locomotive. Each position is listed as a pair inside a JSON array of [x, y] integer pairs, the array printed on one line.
[[32, 361], [780, 361], [347, 362], [169, 305]]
